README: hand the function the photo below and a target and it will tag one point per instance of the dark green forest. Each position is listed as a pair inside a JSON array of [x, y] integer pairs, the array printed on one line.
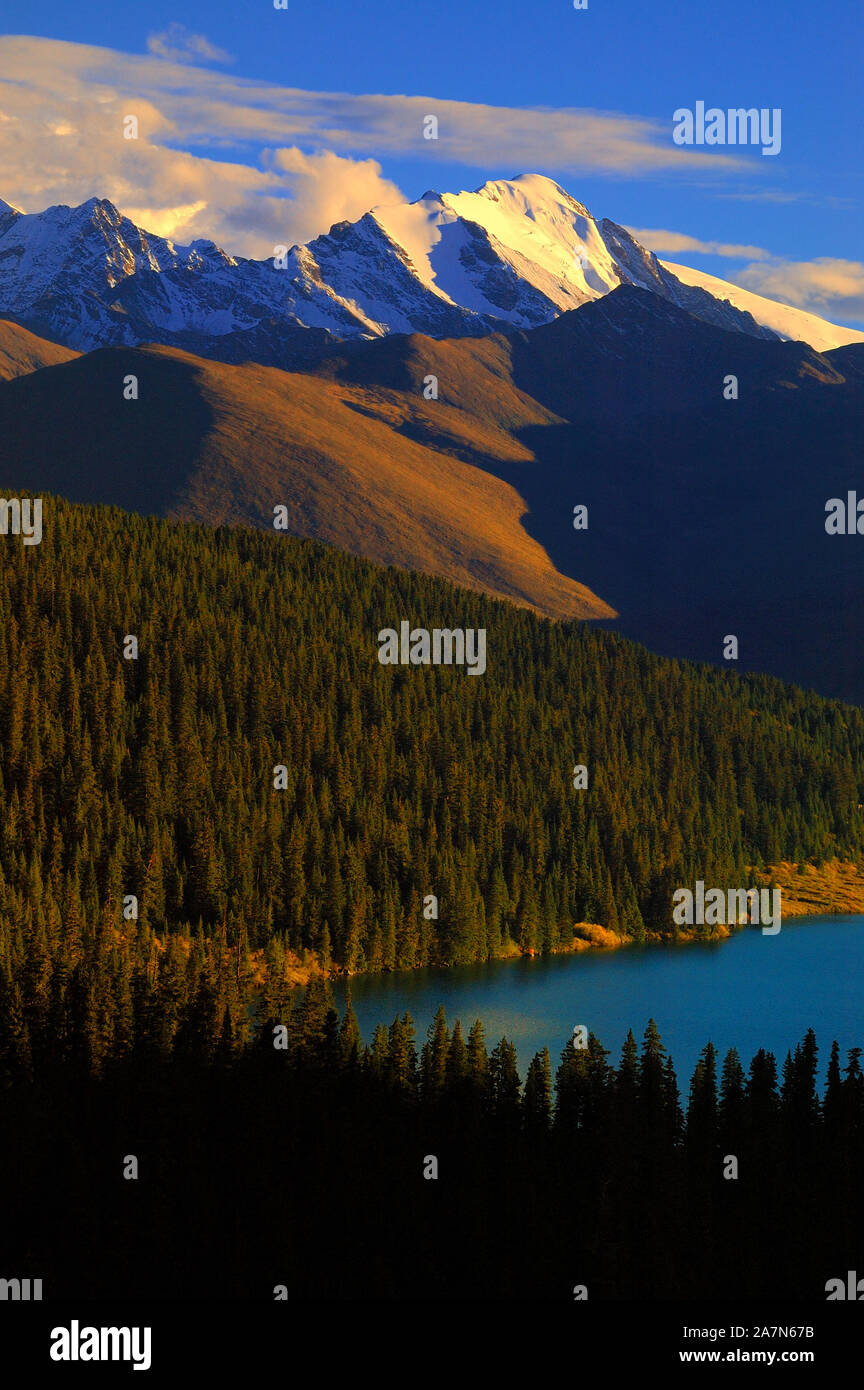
[[302, 1168], [153, 777]]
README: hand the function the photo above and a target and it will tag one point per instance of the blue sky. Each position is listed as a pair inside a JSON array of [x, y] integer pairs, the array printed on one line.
[[619, 66]]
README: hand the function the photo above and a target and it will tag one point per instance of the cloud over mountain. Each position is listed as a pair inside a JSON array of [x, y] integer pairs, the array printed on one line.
[[178, 45], [826, 285], [62, 136]]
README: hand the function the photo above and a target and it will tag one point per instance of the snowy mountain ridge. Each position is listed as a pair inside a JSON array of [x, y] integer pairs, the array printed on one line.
[[513, 254]]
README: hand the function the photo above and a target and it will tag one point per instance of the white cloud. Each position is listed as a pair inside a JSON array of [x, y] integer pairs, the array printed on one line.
[[278, 146], [62, 142], [826, 286], [331, 188], [208, 107], [667, 243], [166, 222], [178, 45]]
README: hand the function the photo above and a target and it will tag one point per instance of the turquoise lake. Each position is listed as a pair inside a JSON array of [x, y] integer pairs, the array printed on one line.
[[748, 992]]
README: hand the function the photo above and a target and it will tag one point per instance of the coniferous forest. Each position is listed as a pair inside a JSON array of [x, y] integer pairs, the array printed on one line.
[[301, 1170], [154, 776], [176, 1034]]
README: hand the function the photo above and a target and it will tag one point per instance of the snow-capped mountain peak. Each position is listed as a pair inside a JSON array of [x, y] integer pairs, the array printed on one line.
[[513, 253]]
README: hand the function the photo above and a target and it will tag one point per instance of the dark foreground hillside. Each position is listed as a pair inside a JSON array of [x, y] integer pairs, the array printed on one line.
[[326, 1170]]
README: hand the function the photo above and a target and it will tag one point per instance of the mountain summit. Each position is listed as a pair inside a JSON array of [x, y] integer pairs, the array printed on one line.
[[513, 254]]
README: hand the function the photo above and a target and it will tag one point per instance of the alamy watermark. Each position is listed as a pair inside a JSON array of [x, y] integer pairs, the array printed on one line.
[[25, 516], [20, 1290], [441, 647], [76, 1343], [845, 515], [734, 906], [740, 126], [850, 1288]]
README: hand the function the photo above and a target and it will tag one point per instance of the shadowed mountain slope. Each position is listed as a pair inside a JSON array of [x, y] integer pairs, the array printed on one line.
[[706, 514]]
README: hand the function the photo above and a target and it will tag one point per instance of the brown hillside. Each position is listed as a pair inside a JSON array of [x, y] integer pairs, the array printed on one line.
[[375, 470], [22, 352]]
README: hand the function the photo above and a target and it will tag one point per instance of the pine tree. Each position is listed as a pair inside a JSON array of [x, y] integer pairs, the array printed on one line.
[[350, 1041], [505, 1086], [731, 1108], [478, 1062], [702, 1118], [402, 1059], [537, 1101], [433, 1058], [457, 1061]]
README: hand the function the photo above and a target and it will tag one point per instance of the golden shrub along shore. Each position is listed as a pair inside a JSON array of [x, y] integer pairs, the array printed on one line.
[[835, 886]]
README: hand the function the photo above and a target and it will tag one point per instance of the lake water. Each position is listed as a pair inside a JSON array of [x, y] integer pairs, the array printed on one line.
[[748, 992]]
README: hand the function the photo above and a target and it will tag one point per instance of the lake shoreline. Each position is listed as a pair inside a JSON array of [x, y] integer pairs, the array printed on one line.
[[834, 888]]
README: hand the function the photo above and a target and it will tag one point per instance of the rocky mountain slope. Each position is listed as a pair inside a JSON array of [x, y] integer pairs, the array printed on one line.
[[513, 254]]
